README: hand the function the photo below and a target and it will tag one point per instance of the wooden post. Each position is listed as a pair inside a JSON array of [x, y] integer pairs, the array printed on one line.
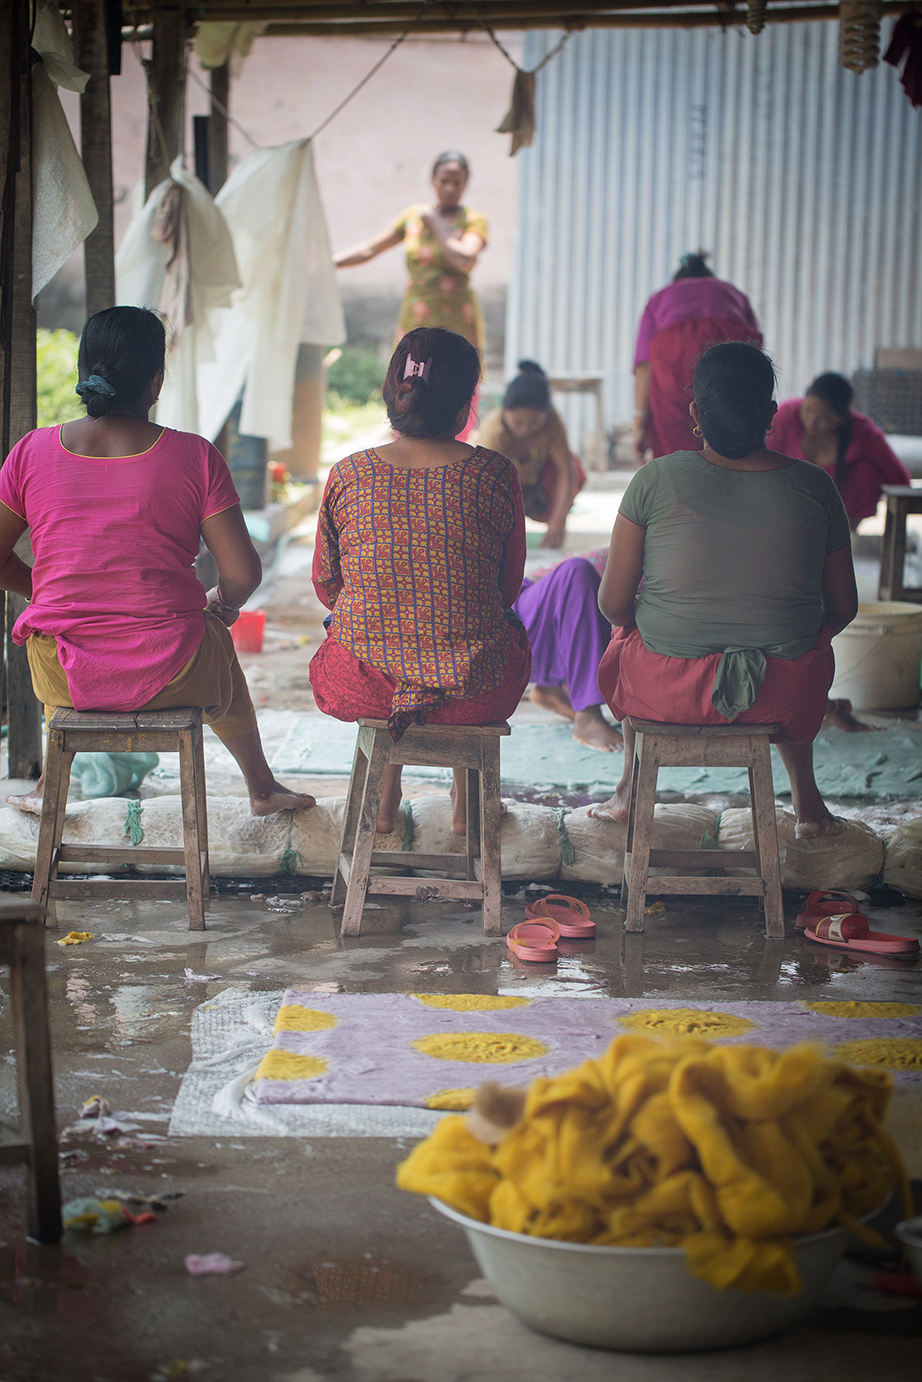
[[17, 339], [217, 129], [91, 52], [166, 84]]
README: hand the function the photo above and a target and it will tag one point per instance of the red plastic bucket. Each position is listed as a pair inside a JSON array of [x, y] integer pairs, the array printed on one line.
[[247, 631]]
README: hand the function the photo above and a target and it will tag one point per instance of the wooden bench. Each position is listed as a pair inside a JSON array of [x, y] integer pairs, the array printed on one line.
[[34, 1141], [140, 731], [902, 500], [660, 746], [473, 747]]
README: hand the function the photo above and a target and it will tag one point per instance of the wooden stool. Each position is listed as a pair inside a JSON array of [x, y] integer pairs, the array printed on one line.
[[901, 501], [140, 731], [34, 1141], [596, 454], [474, 747], [675, 746]]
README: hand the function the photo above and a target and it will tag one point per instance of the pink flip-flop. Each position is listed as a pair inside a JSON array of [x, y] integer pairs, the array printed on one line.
[[850, 931], [534, 940], [826, 904], [571, 915]]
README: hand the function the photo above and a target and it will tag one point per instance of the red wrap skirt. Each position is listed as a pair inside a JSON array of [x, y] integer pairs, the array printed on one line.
[[677, 690]]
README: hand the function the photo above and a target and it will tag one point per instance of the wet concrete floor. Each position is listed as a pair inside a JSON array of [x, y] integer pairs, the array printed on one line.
[[346, 1277]]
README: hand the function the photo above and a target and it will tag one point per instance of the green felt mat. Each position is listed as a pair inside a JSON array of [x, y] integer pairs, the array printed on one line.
[[875, 767]]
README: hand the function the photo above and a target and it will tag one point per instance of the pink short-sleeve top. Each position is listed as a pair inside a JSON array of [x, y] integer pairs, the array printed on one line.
[[115, 540]]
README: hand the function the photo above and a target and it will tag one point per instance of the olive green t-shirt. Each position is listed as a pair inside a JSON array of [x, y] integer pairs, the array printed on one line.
[[733, 558]]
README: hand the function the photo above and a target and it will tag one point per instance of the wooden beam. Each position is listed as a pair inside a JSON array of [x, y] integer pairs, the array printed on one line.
[[17, 345], [217, 130], [91, 52], [166, 84]]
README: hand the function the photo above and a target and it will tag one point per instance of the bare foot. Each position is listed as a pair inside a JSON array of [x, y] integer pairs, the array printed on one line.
[[839, 716], [391, 797], [29, 802], [552, 698], [459, 808], [280, 799], [616, 808], [592, 729], [830, 825]]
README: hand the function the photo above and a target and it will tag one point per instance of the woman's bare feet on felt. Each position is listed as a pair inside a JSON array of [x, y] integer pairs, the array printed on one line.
[[391, 796], [553, 698], [30, 803], [592, 729], [617, 807], [839, 716], [280, 799], [807, 829]]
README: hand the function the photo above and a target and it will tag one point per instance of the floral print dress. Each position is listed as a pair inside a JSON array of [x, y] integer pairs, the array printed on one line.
[[438, 294]]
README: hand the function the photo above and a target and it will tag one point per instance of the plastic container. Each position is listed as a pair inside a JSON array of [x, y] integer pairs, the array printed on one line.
[[909, 1232], [878, 657], [639, 1299], [248, 629]]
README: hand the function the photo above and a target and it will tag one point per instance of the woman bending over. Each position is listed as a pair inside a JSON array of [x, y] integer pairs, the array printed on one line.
[[531, 433], [746, 561], [117, 507], [419, 556]]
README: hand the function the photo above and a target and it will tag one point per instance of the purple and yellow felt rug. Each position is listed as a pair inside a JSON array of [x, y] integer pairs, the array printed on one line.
[[431, 1050]]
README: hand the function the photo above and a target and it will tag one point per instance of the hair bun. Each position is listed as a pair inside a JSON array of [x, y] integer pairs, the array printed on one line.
[[530, 367]]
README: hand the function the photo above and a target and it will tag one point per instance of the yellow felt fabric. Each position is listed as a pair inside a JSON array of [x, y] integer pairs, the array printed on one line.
[[727, 1151]]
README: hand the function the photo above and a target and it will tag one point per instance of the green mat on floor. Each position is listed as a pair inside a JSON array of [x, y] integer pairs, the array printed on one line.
[[873, 767]]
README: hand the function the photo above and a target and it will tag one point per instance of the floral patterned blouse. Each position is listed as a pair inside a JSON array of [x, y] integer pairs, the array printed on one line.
[[438, 294]]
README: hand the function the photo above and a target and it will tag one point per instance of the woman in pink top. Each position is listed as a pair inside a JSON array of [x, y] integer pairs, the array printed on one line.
[[823, 428], [680, 322], [116, 507]]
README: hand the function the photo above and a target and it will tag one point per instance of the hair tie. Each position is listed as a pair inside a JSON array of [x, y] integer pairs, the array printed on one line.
[[95, 384], [419, 368]]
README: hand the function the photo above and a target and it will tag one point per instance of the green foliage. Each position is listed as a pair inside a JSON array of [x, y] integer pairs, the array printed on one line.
[[56, 356], [356, 377]]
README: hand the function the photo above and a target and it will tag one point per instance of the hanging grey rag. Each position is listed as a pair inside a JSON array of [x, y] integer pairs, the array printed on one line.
[[738, 680]]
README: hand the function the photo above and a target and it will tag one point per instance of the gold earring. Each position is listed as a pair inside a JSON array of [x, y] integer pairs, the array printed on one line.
[[696, 431]]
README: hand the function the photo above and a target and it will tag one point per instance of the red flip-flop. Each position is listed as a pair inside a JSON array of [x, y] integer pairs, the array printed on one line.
[[850, 931], [571, 915], [826, 904], [534, 940]]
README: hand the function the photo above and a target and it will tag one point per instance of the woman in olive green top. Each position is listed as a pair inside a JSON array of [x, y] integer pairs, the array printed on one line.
[[747, 574]]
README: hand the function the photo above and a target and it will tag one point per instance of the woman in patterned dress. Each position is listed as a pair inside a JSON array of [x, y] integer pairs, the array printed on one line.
[[442, 244], [419, 556]]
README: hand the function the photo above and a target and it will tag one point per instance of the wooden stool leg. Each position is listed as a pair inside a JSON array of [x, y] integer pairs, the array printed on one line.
[[629, 833], [765, 834], [190, 840], [472, 798], [647, 770], [29, 1003], [365, 835], [491, 825], [886, 580], [756, 839], [350, 819], [201, 815], [51, 829]]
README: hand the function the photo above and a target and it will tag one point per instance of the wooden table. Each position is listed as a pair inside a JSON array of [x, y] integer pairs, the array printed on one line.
[[902, 500]]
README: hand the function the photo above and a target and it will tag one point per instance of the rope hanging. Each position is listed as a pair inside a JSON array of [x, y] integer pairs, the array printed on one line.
[[567, 852], [289, 859], [133, 828], [859, 33], [410, 827]]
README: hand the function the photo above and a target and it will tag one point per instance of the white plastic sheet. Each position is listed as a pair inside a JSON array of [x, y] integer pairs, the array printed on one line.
[[903, 858], [288, 295], [849, 861], [64, 212]]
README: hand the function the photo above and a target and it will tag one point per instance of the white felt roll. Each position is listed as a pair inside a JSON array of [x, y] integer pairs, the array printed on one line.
[[848, 861], [903, 858]]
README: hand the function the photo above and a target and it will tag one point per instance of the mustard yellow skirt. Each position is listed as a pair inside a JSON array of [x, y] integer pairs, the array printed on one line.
[[212, 679]]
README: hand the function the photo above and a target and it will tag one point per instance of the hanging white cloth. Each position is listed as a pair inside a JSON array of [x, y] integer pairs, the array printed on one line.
[[217, 43], [63, 210], [288, 295], [178, 256]]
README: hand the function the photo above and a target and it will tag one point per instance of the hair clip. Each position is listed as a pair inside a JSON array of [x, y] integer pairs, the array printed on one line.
[[419, 368]]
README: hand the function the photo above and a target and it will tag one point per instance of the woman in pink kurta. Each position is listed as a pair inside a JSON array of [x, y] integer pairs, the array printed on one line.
[[823, 428], [116, 507], [679, 323]]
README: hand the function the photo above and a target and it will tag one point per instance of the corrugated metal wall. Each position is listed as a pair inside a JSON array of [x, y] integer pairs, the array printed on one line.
[[802, 179]]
